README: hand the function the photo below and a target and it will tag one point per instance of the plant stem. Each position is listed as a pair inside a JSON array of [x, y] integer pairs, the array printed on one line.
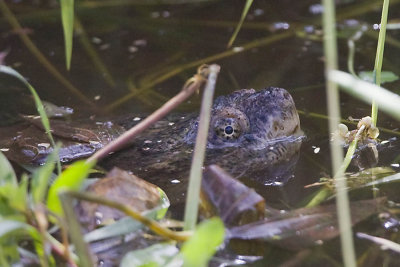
[[379, 57], [192, 199], [342, 202], [151, 224]]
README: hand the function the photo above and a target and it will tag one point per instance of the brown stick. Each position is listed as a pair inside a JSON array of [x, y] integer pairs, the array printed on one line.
[[190, 87]]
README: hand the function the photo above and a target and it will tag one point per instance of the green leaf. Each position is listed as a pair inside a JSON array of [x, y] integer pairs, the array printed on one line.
[[18, 231], [7, 174], [156, 255], [41, 177], [244, 14], [75, 230], [70, 179], [67, 16], [19, 198], [386, 76], [9, 226], [198, 250]]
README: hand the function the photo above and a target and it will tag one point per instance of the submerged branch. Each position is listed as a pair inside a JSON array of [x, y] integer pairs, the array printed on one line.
[[257, 43]]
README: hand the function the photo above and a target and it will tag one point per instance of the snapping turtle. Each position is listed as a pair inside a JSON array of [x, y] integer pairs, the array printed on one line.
[[250, 133]]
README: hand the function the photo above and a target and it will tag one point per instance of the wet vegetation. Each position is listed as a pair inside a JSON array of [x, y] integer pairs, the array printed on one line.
[[100, 60]]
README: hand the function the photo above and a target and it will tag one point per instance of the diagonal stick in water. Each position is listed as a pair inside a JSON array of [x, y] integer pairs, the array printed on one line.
[[126, 137]]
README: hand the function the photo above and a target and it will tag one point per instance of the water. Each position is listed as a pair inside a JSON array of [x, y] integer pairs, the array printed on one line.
[[138, 45]]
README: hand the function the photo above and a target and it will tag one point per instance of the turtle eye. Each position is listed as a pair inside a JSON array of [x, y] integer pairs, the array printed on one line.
[[228, 125], [228, 129]]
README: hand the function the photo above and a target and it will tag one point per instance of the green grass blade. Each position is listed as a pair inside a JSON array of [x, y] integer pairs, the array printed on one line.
[[74, 230], [342, 201], [368, 92], [41, 177], [198, 250], [193, 192], [7, 174], [70, 179], [67, 16], [379, 57], [244, 14], [38, 103]]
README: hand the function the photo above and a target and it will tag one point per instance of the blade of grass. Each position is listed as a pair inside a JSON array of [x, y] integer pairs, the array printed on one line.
[[67, 17], [388, 101], [41, 177], [9, 16], [74, 231], [379, 57], [239, 26], [199, 249], [192, 198], [342, 202], [39, 105], [7, 174]]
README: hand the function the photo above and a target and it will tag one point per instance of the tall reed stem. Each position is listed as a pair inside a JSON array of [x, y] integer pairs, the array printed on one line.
[[379, 57], [192, 200], [342, 202]]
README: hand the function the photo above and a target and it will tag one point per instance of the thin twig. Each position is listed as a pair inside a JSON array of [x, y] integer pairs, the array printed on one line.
[[125, 138]]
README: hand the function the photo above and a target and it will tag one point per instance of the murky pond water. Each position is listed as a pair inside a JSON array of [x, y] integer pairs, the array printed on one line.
[[130, 58]]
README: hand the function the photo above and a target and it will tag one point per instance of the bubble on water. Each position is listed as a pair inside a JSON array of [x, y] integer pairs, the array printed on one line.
[[316, 9]]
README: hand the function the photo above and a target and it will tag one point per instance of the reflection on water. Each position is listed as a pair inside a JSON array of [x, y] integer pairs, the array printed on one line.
[[130, 59]]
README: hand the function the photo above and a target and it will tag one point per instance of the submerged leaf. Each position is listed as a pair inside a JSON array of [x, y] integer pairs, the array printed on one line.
[[70, 179], [122, 187], [234, 202], [386, 76], [304, 227], [202, 245]]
